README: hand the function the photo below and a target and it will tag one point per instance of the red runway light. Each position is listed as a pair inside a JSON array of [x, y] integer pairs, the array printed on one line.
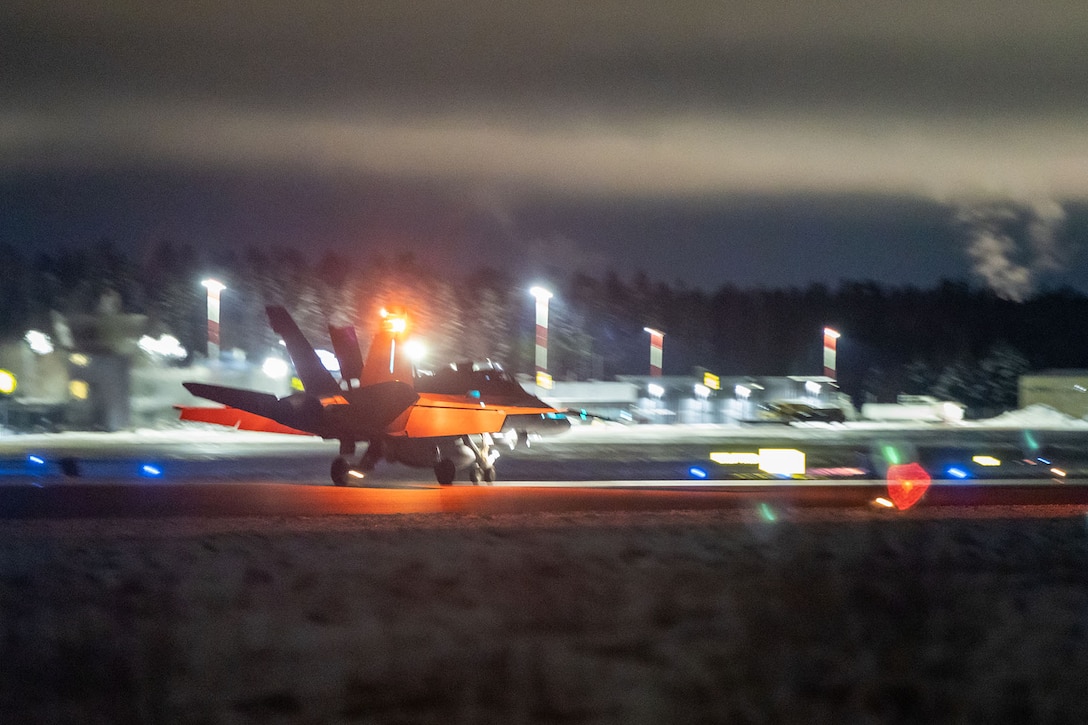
[[907, 483]]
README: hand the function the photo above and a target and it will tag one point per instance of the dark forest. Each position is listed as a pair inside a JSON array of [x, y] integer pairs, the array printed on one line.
[[953, 340]]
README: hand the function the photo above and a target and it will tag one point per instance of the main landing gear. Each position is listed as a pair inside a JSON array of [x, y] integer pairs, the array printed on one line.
[[340, 471], [343, 471], [445, 471]]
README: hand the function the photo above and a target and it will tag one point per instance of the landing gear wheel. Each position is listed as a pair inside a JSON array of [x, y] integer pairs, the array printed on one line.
[[339, 471], [445, 471], [490, 475], [475, 475]]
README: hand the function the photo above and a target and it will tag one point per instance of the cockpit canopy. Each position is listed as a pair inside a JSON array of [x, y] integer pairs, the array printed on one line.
[[463, 377]]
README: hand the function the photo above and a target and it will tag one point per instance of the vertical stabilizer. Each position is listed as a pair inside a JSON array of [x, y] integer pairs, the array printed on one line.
[[345, 344], [315, 378], [386, 359]]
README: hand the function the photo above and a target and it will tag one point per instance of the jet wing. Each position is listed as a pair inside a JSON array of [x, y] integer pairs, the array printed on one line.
[[430, 419], [436, 415]]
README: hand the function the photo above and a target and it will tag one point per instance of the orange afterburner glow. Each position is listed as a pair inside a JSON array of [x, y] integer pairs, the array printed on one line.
[[907, 483]]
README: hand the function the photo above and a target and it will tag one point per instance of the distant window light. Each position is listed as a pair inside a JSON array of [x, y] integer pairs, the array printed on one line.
[[39, 342], [166, 346]]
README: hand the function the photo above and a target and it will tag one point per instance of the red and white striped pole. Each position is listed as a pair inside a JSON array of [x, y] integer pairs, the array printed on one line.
[[657, 342], [215, 287], [830, 349], [542, 296]]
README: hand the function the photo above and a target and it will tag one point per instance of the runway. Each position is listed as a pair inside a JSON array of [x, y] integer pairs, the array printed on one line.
[[193, 473], [158, 499]]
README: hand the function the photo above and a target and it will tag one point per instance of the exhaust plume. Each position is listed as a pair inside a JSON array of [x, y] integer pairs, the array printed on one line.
[[1012, 244]]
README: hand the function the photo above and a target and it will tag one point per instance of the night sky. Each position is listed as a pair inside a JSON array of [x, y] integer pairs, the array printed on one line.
[[762, 143]]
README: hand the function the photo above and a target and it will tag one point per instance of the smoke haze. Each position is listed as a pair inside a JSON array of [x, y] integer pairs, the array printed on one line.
[[1012, 244]]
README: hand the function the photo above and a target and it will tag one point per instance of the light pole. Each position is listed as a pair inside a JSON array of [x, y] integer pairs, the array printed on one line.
[[830, 344], [215, 287], [542, 296], [657, 341]]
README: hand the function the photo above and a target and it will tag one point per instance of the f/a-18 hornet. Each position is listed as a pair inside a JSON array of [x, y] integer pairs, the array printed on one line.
[[447, 421]]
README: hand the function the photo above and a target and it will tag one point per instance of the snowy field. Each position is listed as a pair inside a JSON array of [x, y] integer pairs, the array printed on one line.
[[652, 618], [922, 616]]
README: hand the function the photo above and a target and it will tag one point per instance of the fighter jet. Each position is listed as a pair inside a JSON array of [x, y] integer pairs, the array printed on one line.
[[447, 421]]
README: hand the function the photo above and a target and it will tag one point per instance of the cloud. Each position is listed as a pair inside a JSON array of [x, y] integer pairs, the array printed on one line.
[[652, 157], [611, 99]]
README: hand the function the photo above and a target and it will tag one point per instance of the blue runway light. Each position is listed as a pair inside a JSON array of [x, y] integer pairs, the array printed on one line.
[[1043, 460], [150, 471], [696, 472], [36, 460], [956, 472]]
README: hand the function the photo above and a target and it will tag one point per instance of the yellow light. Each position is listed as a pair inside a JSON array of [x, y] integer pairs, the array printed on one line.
[[712, 381], [79, 389], [724, 458], [881, 501], [396, 325], [1058, 472], [782, 461], [7, 382], [79, 359], [544, 380], [356, 474], [986, 461]]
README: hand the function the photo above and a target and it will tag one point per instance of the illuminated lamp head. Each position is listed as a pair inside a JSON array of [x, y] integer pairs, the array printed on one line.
[[395, 321]]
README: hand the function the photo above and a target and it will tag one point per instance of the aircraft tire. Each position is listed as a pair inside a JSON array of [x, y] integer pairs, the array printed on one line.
[[445, 471], [474, 475], [490, 474], [339, 470]]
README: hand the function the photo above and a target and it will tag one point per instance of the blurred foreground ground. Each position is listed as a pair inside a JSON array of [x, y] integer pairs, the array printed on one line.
[[590, 618]]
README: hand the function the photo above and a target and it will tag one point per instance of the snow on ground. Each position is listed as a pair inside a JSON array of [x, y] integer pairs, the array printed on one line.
[[588, 618], [592, 618], [1035, 417]]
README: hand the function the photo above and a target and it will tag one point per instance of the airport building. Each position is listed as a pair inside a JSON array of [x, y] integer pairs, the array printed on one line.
[[694, 399], [1063, 390]]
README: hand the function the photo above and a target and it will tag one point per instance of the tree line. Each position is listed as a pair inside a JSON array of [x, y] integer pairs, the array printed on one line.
[[954, 339]]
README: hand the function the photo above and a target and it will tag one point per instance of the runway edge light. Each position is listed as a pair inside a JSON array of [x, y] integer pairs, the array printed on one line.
[[782, 461]]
